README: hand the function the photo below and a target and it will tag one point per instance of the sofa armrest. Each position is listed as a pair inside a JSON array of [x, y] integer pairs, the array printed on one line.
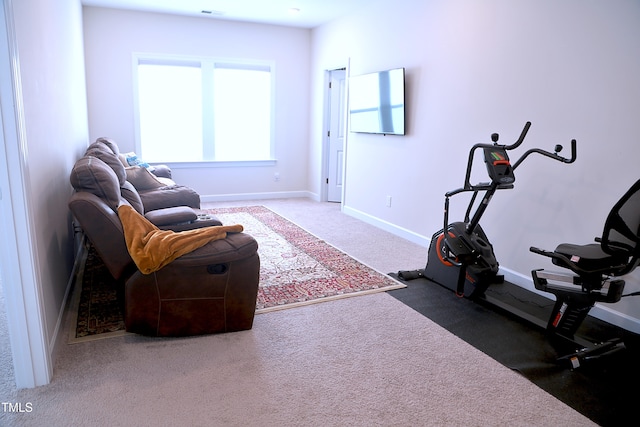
[[162, 171], [170, 216], [167, 197], [180, 218]]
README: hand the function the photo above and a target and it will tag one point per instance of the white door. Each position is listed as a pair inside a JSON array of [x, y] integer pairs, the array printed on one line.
[[337, 128]]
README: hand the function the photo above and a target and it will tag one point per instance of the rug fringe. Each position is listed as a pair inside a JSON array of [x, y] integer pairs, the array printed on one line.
[[330, 298]]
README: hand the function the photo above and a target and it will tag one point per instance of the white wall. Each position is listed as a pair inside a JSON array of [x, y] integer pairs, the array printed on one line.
[[112, 36], [473, 68], [53, 131], [55, 112]]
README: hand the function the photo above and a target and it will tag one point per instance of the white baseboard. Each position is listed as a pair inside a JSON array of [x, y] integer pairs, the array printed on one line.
[[605, 312], [57, 339], [600, 311], [387, 226], [259, 196]]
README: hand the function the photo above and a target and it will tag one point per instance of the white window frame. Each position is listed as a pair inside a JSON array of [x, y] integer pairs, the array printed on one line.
[[207, 65]]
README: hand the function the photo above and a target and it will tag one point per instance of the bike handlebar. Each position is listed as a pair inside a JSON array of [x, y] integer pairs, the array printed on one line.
[[467, 182], [519, 141], [555, 156]]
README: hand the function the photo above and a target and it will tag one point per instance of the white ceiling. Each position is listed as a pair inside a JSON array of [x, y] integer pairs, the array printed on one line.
[[312, 12]]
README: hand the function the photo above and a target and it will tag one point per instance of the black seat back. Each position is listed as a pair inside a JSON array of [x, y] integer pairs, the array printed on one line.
[[621, 234]]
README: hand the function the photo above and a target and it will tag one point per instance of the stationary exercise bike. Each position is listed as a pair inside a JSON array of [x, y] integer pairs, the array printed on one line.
[[460, 254], [594, 268], [462, 259]]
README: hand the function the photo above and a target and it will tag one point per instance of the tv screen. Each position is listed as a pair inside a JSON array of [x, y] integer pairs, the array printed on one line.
[[376, 102]]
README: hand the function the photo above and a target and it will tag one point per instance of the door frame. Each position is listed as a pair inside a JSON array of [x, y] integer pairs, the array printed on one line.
[[326, 153], [21, 287]]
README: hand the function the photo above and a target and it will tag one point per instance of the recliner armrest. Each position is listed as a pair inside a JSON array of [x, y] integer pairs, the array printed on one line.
[[181, 218], [162, 171], [173, 215], [166, 197]]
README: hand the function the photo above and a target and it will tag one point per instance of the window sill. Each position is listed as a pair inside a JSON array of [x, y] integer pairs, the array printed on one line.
[[218, 164]]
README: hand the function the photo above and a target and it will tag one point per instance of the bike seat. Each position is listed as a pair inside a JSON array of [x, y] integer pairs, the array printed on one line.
[[589, 258]]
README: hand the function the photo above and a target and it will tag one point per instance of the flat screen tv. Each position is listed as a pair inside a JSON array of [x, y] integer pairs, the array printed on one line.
[[376, 102]]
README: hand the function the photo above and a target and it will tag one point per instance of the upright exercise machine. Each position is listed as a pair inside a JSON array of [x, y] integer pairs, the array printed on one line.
[[460, 254], [462, 259]]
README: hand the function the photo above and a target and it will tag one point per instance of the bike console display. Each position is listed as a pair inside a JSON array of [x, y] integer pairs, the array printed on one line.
[[498, 165]]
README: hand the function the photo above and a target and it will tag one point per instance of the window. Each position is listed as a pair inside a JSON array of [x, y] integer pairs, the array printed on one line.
[[203, 110]]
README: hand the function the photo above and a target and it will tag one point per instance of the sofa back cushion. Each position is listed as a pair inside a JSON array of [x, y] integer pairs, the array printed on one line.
[[104, 152], [111, 144], [95, 176]]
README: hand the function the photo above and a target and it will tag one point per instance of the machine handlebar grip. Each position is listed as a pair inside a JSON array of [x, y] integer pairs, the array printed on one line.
[[544, 252], [574, 152], [521, 138]]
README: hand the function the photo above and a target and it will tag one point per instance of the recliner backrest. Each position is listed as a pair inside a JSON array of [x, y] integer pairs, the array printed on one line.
[[93, 175], [107, 151], [621, 232], [104, 230], [94, 206]]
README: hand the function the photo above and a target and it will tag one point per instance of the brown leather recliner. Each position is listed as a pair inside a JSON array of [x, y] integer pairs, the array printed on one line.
[[154, 185], [212, 289]]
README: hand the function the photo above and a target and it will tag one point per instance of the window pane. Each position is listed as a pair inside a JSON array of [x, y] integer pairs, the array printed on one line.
[[242, 114], [170, 103]]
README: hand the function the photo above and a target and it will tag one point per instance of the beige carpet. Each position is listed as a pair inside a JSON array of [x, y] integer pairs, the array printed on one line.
[[362, 361]]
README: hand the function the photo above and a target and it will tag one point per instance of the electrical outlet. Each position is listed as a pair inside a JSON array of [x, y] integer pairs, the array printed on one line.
[[388, 201], [276, 176]]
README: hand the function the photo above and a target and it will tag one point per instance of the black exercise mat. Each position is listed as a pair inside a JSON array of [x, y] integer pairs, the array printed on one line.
[[603, 390]]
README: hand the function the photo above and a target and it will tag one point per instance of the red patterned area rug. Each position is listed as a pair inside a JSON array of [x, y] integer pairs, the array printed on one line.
[[96, 308], [298, 268]]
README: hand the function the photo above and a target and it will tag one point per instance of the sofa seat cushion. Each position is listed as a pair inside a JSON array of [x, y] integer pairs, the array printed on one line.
[[167, 182]]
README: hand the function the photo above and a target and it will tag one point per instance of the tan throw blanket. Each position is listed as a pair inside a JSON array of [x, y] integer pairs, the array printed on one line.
[[152, 248]]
